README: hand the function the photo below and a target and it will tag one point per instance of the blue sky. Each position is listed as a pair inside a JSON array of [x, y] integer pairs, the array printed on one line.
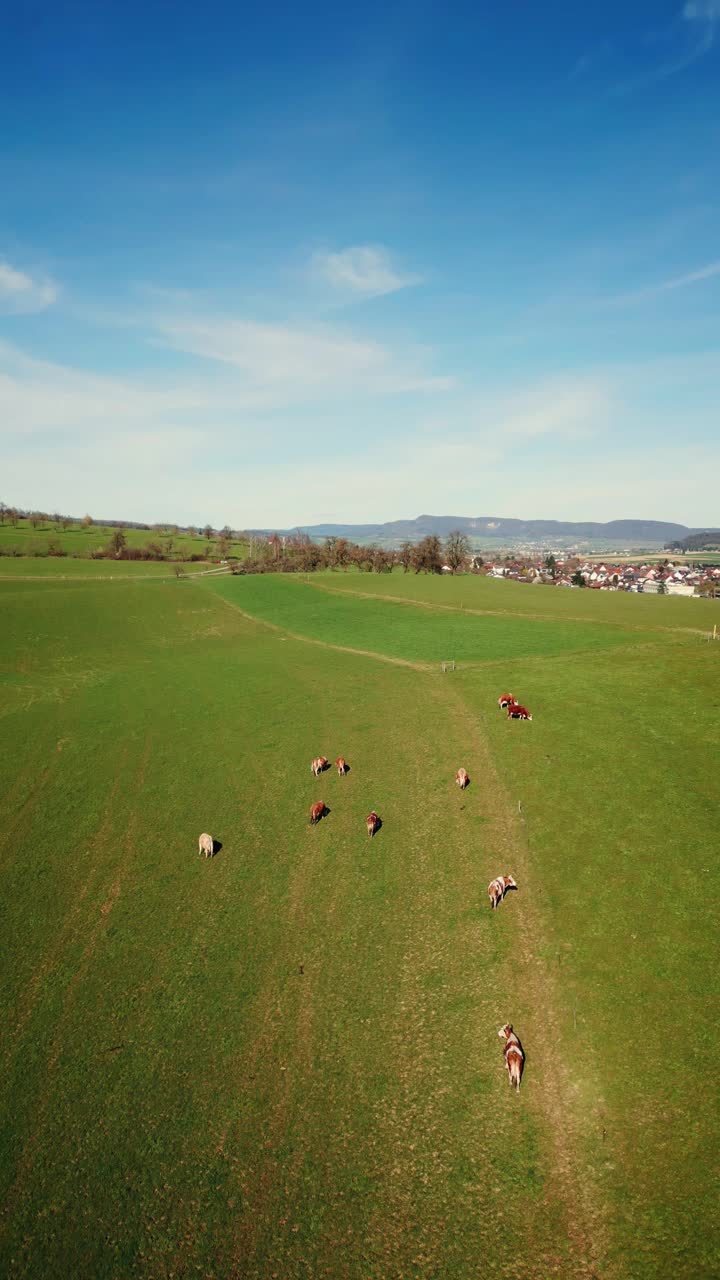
[[316, 263]]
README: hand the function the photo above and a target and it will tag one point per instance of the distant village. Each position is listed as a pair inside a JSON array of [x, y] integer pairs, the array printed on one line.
[[650, 579]]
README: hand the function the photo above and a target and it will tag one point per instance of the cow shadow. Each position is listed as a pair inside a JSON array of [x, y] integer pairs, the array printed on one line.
[[217, 846], [378, 826]]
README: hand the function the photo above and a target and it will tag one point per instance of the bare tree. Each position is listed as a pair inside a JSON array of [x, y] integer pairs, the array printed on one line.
[[208, 532], [405, 556], [457, 549], [87, 522]]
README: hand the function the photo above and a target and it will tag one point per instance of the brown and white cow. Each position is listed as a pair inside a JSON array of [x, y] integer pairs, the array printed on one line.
[[507, 700], [341, 766], [206, 845], [497, 889], [462, 777], [514, 1056], [319, 765], [317, 811], [372, 822], [516, 712]]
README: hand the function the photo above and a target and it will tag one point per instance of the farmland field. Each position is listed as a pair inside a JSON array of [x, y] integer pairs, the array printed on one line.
[[284, 1061], [25, 539]]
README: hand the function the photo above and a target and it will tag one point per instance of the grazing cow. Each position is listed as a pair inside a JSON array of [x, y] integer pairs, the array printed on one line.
[[341, 765], [514, 1056], [516, 712], [372, 822], [206, 845], [462, 778], [319, 765], [497, 889], [317, 811], [507, 700]]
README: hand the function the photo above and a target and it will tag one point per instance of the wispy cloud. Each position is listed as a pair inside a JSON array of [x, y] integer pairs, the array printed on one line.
[[364, 271], [665, 286], [282, 364], [21, 293], [691, 35]]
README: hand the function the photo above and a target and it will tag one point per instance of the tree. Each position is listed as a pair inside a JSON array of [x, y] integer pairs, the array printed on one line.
[[118, 541], [661, 589], [427, 555], [223, 546], [208, 532], [3, 510], [457, 549], [550, 564], [192, 531], [405, 556], [87, 522], [35, 519], [577, 579]]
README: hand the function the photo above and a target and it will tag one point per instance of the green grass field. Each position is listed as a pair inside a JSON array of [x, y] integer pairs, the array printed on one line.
[[284, 1061], [22, 539]]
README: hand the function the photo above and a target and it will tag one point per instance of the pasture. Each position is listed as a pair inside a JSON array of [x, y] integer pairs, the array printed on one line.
[[23, 538], [284, 1060]]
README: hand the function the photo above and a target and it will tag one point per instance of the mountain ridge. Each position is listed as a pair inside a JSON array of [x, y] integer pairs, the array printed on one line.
[[497, 528]]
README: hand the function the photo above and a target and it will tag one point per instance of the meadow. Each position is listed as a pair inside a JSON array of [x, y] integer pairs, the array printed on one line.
[[23, 539], [284, 1061]]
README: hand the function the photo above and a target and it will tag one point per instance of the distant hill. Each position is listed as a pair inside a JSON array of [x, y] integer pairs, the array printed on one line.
[[705, 540], [499, 529]]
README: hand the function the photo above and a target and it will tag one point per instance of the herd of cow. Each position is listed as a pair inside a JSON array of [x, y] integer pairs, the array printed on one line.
[[497, 889]]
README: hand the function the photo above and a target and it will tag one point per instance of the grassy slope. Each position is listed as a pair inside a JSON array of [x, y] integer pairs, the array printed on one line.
[[178, 1098], [57, 568], [519, 599], [76, 541], [392, 628]]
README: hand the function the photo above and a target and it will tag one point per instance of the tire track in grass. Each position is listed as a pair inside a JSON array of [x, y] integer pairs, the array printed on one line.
[[57, 950], [557, 1097], [32, 1144]]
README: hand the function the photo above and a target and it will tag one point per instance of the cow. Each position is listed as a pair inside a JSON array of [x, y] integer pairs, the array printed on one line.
[[516, 712], [497, 889], [514, 1056], [319, 765], [462, 778], [317, 811], [372, 822], [206, 845], [341, 766], [507, 700]]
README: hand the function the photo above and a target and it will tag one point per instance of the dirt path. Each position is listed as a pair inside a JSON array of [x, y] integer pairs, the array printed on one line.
[[570, 1126]]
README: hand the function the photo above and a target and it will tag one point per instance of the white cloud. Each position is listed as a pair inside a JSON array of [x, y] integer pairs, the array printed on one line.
[[278, 362], [20, 293], [365, 271]]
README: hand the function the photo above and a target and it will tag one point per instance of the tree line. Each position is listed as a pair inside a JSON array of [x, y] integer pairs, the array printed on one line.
[[298, 554]]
